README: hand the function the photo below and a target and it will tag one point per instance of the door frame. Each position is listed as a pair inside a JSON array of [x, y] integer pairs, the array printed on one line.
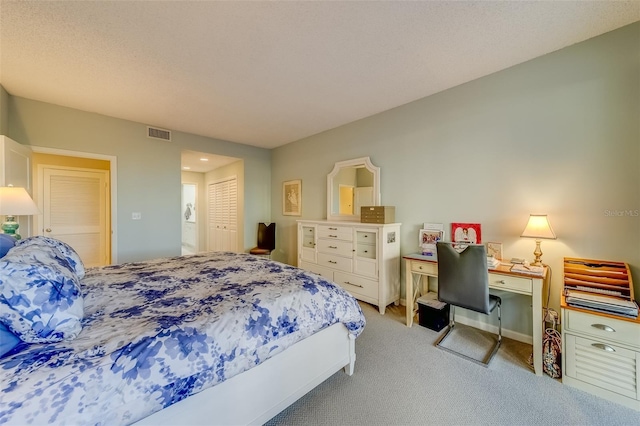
[[113, 172]]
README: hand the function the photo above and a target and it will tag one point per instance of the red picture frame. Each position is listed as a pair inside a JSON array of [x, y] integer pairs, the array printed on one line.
[[466, 233]]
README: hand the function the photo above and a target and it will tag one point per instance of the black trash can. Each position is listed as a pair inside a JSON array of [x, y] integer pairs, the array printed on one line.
[[432, 313]]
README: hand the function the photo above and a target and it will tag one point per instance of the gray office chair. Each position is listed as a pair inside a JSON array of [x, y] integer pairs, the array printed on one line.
[[463, 280]]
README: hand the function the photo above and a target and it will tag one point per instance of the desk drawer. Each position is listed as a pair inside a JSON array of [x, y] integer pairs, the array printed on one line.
[[337, 247], [335, 262], [602, 327], [426, 268], [336, 232], [356, 284], [509, 283]]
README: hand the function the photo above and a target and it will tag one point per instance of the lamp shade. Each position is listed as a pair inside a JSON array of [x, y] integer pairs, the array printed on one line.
[[538, 227], [15, 201]]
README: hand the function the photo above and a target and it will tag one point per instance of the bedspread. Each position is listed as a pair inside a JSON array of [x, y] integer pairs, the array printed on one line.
[[156, 332]]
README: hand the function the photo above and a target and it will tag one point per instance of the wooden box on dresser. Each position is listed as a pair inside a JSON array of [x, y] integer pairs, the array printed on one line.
[[600, 351], [363, 258]]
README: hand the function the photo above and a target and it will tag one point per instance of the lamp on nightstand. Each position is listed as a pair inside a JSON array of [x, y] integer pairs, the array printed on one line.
[[538, 227], [15, 201]]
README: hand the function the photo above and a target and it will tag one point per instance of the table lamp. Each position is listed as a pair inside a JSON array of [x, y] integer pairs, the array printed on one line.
[[538, 227], [15, 201]]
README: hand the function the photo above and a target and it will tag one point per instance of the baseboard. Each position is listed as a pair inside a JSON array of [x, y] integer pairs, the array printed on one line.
[[524, 338], [520, 337]]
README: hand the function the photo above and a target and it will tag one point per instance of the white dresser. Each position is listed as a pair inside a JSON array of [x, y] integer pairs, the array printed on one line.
[[601, 355], [600, 352], [363, 258]]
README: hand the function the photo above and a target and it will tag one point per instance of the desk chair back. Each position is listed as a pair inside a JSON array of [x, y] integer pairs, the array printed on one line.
[[463, 277]]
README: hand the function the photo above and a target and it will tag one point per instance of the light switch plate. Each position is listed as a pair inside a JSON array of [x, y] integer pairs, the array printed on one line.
[[136, 215]]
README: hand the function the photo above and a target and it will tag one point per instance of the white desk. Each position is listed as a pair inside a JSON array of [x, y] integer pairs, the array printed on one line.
[[500, 278]]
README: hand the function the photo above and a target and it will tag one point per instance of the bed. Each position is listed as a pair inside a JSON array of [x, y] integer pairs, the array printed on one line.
[[216, 338]]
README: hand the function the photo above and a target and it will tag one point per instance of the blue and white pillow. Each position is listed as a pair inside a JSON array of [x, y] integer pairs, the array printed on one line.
[[69, 253], [40, 296], [8, 340], [6, 243]]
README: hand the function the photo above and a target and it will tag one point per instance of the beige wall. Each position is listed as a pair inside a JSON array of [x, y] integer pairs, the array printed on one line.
[[148, 170], [559, 135]]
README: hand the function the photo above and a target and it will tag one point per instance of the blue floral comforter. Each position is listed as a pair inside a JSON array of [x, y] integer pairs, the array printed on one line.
[[156, 332]]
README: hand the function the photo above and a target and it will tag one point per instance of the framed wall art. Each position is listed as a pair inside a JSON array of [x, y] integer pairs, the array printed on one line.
[[292, 198]]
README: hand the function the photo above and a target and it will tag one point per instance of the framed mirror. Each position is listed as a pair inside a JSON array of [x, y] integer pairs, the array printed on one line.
[[350, 185]]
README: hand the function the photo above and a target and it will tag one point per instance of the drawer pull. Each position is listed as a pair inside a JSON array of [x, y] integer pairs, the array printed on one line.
[[603, 327], [603, 347], [501, 282], [366, 251], [333, 229], [333, 236], [355, 285], [332, 261], [333, 247]]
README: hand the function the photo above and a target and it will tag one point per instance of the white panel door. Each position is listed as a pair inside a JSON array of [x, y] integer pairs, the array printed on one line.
[[75, 211]]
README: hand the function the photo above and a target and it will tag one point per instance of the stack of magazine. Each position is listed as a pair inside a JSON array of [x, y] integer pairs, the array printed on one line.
[[601, 286], [606, 304]]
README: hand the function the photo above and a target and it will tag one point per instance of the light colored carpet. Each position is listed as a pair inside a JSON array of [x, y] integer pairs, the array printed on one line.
[[401, 378]]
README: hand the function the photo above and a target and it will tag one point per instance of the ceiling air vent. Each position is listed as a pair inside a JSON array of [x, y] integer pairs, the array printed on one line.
[[156, 133]]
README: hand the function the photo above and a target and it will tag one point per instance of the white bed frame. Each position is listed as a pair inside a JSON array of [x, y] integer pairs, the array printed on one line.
[[257, 395]]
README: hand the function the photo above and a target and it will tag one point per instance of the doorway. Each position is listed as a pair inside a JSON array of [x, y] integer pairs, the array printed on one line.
[[75, 196], [190, 218]]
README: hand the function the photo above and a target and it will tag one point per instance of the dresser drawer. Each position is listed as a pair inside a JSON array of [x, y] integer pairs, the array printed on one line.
[[427, 268], [510, 283], [337, 247], [367, 251], [358, 285], [366, 237], [325, 273], [335, 262], [336, 232], [602, 327], [601, 364]]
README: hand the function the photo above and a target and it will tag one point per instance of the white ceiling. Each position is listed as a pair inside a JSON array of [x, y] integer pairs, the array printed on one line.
[[271, 72]]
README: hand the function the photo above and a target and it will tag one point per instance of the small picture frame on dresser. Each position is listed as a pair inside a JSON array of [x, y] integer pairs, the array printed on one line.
[[494, 249]]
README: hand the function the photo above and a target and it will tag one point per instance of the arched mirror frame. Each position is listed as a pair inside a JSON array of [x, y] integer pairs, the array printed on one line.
[[364, 162]]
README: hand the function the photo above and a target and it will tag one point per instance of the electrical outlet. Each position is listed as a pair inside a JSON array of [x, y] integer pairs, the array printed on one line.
[[136, 216]]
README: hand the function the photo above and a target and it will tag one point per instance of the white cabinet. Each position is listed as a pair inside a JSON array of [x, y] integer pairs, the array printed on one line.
[[601, 355], [15, 170], [363, 258]]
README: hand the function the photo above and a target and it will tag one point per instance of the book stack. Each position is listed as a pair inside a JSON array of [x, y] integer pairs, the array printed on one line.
[[601, 286]]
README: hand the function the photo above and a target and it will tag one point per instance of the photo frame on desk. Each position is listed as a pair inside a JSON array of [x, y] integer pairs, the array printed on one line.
[[427, 241], [494, 249], [469, 233]]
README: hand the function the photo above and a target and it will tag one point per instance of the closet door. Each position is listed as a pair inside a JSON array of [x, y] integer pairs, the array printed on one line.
[[223, 212]]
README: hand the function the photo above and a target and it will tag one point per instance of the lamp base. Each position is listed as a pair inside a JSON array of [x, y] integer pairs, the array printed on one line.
[[10, 227], [538, 254]]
